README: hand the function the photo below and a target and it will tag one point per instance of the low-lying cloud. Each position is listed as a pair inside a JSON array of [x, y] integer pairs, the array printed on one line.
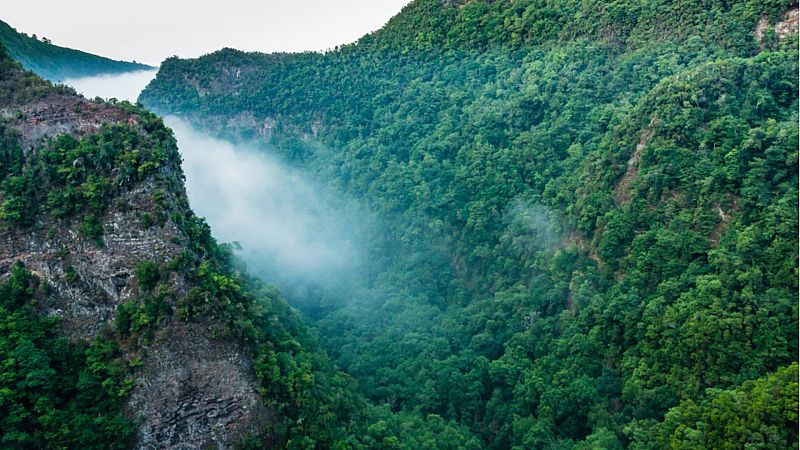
[[291, 230], [126, 86], [533, 226]]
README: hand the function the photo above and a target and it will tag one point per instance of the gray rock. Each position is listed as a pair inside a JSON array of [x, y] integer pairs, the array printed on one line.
[[192, 392]]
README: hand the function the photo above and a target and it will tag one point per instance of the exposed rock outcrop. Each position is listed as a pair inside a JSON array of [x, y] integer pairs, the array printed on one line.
[[60, 113], [192, 392], [101, 278], [195, 393], [788, 24], [622, 190]]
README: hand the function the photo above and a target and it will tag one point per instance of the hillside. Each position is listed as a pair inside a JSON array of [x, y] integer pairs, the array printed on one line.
[[59, 63], [123, 324], [588, 213]]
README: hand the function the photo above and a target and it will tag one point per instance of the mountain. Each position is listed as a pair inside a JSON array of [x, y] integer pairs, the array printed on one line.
[[123, 324], [59, 63], [587, 214]]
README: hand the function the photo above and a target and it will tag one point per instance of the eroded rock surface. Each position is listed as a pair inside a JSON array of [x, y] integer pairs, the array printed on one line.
[[195, 393], [102, 278], [192, 392]]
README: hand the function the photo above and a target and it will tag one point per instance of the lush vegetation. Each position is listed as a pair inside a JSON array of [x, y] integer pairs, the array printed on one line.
[[58, 63], [585, 217], [18, 87], [60, 394], [759, 411], [55, 394], [72, 177], [313, 401]]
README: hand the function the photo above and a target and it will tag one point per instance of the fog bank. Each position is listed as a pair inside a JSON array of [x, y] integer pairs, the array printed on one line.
[[292, 232], [533, 226], [126, 86]]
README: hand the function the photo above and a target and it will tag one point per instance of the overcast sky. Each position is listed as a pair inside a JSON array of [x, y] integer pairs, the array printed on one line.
[[151, 30]]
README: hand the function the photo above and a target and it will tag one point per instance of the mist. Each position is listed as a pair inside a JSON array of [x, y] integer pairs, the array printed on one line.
[[533, 226], [293, 232], [126, 86]]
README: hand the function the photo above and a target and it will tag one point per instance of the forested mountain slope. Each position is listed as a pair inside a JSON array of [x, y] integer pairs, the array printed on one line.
[[123, 324], [59, 63], [587, 213]]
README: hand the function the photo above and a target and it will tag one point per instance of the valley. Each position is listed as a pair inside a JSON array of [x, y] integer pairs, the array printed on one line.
[[499, 225]]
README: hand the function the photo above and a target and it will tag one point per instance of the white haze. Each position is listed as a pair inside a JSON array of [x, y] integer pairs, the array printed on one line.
[[126, 86], [289, 230], [151, 30], [287, 226], [533, 226]]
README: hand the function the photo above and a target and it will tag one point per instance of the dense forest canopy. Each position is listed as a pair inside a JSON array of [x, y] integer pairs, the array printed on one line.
[[58, 63], [583, 222], [587, 214]]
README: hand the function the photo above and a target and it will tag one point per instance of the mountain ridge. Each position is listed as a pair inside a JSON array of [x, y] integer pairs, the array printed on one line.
[[59, 63], [123, 324]]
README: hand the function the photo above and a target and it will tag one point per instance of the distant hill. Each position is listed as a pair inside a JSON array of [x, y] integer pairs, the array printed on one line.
[[58, 63]]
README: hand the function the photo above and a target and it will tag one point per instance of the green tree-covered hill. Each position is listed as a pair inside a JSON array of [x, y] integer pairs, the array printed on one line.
[[59, 63], [587, 214]]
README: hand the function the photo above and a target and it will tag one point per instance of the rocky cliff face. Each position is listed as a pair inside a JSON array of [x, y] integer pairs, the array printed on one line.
[[195, 393], [191, 391], [87, 281]]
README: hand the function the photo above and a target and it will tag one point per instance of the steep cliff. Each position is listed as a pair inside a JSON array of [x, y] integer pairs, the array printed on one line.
[[93, 207]]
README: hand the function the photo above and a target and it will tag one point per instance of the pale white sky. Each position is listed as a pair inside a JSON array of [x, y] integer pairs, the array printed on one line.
[[149, 31]]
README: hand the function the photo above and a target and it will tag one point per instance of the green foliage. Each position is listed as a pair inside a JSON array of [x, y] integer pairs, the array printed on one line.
[[56, 394], [586, 212], [317, 406], [142, 318], [147, 275], [58, 63], [480, 24], [18, 86], [760, 413], [72, 177], [70, 274], [586, 215]]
